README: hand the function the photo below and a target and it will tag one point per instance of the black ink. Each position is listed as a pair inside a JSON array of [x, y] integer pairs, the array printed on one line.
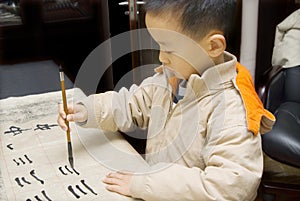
[[68, 169], [16, 162], [32, 173], [45, 195], [44, 127], [72, 191], [30, 161], [60, 169], [37, 198], [75, 171], [10, 146], [82, 191], [23, 179], [89, 188], [15, 130], [20, 159], [19, 182]]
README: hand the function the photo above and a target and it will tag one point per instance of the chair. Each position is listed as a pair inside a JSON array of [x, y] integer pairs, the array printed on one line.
[[281, 96]]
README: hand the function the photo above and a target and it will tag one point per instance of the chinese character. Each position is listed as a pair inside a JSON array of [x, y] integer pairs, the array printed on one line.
[[44, 127], [15, 130]]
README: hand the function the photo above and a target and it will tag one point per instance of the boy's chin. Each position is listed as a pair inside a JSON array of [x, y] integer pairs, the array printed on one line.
[[172, 73]]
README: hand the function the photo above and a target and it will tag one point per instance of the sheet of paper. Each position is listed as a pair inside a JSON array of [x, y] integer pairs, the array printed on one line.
[[34, 161]]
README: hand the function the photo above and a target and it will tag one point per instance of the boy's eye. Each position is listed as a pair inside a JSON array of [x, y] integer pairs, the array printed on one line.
[[166, 50]]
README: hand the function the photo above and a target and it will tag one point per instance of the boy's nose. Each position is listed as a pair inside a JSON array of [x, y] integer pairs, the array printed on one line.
[[163, 58]]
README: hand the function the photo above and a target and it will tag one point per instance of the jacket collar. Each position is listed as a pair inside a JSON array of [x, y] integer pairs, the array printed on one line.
[[214, 79]]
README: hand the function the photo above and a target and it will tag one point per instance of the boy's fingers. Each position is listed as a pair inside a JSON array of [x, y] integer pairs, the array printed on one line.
[[118, 182], [79, 114], [70, 108], [115, 175], [61, 123], [61, 111], [71, 117], [118, 189], [112, 181], [62, 116], [77, 117], [114, 188]]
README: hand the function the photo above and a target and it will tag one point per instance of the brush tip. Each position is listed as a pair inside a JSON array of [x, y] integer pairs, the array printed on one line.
[[71, 162]]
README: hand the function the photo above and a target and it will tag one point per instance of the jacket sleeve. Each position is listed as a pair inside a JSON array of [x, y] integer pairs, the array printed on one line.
[[233, 170], [120, 111]]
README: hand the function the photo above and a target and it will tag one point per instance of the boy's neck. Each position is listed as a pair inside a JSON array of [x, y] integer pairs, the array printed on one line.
[[219, 60]]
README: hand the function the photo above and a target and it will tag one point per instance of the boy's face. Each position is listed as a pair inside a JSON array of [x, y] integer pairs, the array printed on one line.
[[178, 52]]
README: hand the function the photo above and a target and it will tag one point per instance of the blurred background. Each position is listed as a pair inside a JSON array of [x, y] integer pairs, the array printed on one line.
[[66, 31]]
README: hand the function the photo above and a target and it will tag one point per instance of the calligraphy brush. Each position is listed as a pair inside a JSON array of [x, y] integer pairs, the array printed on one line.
[[64, 98]]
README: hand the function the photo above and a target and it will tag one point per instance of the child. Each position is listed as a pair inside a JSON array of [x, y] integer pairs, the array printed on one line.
[[208, 142]]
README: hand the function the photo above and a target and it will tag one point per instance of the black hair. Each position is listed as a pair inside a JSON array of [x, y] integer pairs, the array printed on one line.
[[197, 17]]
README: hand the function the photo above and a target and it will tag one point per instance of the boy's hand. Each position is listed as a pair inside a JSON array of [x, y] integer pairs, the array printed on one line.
[[76, 113], [118, 182]]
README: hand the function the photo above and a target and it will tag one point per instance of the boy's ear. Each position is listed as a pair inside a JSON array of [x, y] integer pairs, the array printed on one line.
[[217, 45]]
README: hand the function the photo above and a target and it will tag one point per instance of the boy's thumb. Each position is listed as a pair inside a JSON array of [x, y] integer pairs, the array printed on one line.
[[70, 117]]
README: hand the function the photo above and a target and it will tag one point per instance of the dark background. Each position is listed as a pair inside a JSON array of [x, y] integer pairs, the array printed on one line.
[[67, 34]]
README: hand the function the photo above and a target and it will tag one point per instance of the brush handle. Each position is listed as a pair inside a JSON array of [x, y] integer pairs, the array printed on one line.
[[64, 98]]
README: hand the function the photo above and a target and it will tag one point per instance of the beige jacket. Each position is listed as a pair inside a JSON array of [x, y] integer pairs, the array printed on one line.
[[200, 148]]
